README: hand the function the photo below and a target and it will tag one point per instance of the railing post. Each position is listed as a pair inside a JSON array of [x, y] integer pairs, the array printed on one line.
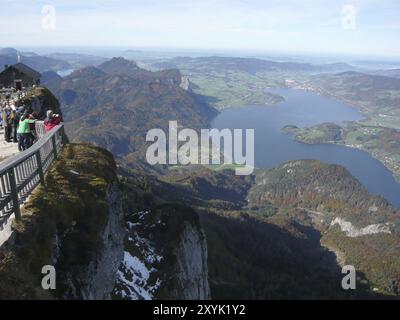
[[53, 141], [63, 136], [40, 167], [14, 194]]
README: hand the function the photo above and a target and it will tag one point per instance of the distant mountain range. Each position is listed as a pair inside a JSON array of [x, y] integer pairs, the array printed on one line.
[[252, 65], [9, 56], [78, 60], [394, 73], [50, 62]]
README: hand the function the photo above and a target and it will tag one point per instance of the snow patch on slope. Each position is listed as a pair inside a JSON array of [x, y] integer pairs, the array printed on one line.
[[134, 277], [137, 277]]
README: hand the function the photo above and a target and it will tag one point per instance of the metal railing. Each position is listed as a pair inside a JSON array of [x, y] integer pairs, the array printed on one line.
[[39, 128], [20, 174]]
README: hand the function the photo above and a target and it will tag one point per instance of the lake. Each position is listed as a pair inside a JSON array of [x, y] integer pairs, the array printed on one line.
[[65, 72], [305, 108]]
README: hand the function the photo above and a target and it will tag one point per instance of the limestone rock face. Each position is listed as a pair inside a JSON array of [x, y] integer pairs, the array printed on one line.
[[74, 223], [165, 256], [186, 84], [191, 266], [96, 281]]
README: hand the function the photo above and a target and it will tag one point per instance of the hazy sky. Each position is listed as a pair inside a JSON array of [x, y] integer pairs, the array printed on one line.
[[320, 26]]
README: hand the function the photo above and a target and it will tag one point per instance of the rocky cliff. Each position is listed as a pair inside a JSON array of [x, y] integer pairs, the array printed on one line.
[[77, 223], [40, 99], [191, 266], [74, 223], [165, 257], [96, 280]]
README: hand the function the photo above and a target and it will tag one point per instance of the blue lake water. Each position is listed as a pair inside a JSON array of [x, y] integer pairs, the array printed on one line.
[[65, 72], [303, 108]]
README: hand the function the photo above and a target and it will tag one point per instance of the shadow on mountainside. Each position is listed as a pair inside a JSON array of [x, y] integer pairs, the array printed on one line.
[[251, 259]]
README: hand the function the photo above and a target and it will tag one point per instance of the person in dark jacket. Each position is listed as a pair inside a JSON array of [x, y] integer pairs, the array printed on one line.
[[14, 124], [7, 122]]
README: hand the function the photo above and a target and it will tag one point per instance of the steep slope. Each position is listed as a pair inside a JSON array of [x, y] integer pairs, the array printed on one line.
[[165, 247], [75, 223], [287, 231], [165, 256], [363, 230], [105, 237], [49, 77], [248, 256]]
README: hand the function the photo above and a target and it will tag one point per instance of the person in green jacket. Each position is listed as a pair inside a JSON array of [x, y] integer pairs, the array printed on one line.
[[24, 133]]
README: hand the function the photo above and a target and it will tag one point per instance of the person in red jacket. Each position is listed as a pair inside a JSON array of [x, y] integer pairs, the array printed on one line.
[[51, 120]]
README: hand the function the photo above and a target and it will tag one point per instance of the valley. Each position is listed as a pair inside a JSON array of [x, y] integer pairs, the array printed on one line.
[[231, 82], [282, 232], [289, 222], [291, 211], [167, 153], [235, 82]]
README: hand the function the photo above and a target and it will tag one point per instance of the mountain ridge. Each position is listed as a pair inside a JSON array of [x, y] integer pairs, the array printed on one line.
[[115, 110]]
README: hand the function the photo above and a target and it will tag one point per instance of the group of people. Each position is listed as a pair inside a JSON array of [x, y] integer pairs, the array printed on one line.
[[19, 124]]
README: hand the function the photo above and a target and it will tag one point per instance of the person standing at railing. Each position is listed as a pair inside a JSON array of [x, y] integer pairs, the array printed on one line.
[[52, 120], [7, 122], [24, 133], [33, 135], [14, 123], [3, 105]]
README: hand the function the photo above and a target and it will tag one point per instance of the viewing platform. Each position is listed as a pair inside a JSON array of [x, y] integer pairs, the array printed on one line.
[[22, 172]]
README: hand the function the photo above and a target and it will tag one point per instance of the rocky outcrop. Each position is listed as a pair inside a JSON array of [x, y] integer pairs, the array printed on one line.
[[353, 232], [191, 266], [97, 279], [165, 256], [40, 99], [186, 84], [74, 223]]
